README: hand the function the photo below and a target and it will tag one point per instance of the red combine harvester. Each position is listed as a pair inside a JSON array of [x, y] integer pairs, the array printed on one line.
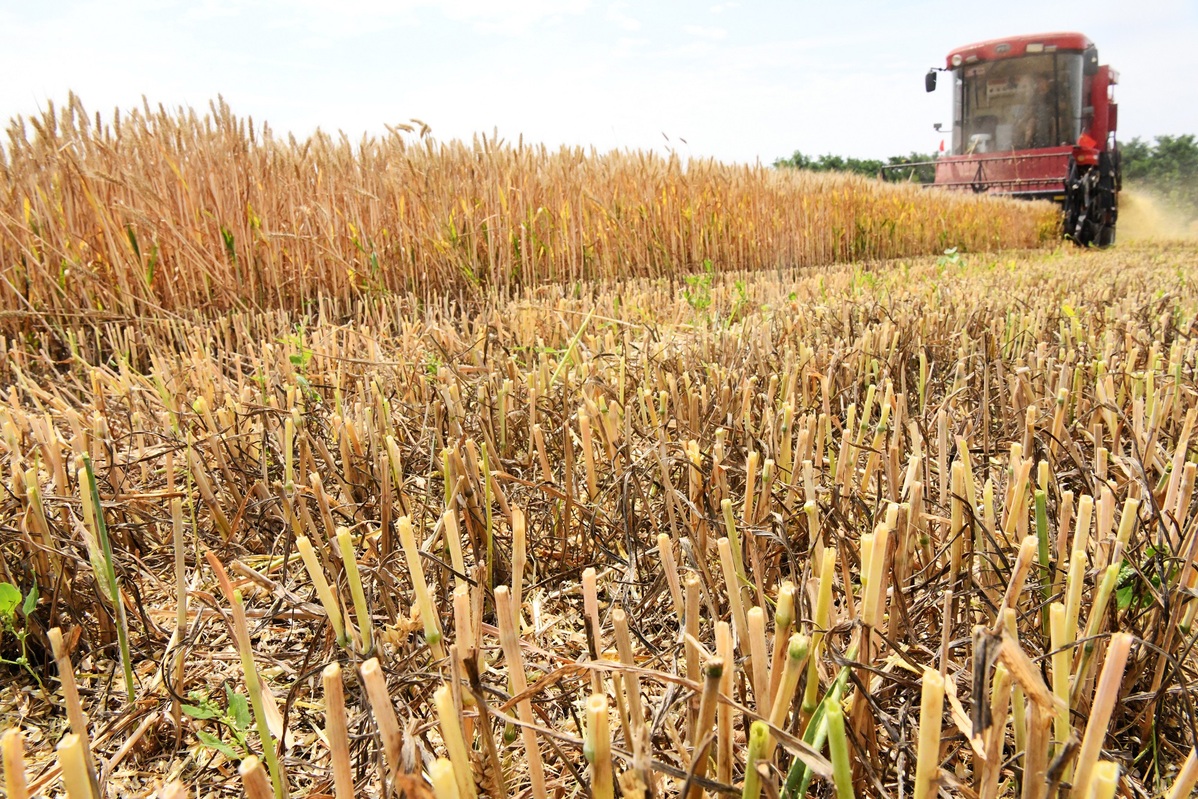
[[1034, 117]]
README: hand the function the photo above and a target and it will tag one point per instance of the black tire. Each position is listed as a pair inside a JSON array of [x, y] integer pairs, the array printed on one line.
[[1088, 235], [1091, 204], [1074, 208]]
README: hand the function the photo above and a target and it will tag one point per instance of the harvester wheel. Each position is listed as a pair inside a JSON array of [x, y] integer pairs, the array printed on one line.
[[1091, 203]]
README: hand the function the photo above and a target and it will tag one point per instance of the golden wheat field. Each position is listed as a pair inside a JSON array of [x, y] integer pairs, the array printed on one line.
[[302, 498], [159, 211]]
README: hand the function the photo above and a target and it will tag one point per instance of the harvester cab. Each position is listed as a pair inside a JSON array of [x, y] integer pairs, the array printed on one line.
[[1034, 117]]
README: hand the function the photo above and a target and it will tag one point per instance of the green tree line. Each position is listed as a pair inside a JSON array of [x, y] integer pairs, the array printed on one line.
[[1168, 166], [869, 167]]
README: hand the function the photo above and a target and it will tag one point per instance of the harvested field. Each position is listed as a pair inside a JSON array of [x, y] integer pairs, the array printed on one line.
[[848, 530]]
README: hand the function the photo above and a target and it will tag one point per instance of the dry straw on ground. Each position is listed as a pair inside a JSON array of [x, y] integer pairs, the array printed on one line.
[[919, 459]]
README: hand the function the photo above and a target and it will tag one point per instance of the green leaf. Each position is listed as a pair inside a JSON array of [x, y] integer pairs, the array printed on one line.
[[239, 710], [133, 240], [10, 597], [230, 248], [151, 266], [205, 712], [212, 742], [30, 603], [1124, 596]]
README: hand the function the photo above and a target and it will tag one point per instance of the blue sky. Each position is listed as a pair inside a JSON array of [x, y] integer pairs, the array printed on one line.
[[738, 81]]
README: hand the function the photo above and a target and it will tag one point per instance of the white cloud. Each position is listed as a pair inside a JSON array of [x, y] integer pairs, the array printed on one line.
[[720, 8], [615, 13], [706, 31], [508, 16], [213, 9], [625, 45], [350, 17]]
